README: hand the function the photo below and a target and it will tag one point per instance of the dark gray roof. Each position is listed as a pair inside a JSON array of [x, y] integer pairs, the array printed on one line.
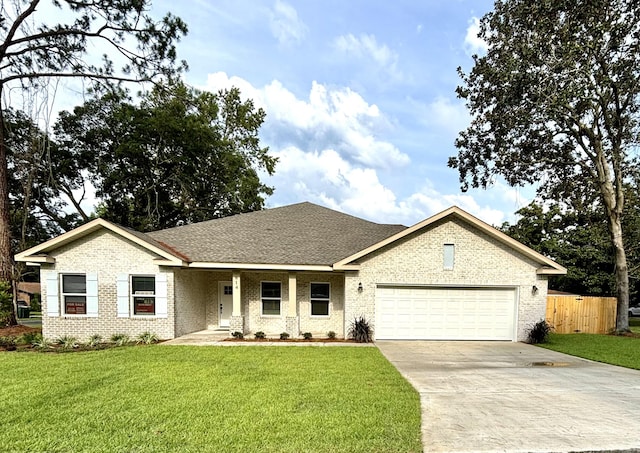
[[302, 234]]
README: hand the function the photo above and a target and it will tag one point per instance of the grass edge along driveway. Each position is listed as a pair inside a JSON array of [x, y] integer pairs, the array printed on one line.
[[612, 349], [188, 399]]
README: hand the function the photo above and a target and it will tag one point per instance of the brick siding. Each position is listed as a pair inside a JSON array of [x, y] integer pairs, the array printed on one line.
[[479, 261]]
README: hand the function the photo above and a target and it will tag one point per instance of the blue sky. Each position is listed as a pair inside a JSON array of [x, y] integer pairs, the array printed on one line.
[[359, 95]]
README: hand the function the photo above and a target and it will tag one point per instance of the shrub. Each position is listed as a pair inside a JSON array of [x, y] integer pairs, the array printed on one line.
[[539, 333], [29, 338], [260, 335], [147, 338], [9, 343], [284, 336], [238, 335], [7, 317], [94, 340], [42, 343], [35, 303], [331, 335], [120, 339], [307, 336], [360, 331], [67, 342]]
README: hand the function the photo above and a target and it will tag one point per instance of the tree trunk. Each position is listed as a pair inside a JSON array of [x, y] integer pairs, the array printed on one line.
[[6, 260], [621, 273]]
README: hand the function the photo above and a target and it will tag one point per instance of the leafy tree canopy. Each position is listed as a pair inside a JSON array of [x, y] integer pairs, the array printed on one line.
[[34, 48], [180, 156], [554, 102]]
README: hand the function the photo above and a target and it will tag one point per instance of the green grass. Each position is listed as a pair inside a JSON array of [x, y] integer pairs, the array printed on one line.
[[616, 350], [207, 399], [634, 324]]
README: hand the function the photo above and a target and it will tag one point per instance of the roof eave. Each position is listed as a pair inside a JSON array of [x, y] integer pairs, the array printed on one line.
[[552, 271]]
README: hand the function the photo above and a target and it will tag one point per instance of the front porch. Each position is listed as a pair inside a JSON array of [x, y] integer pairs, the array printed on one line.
[[251, 301]]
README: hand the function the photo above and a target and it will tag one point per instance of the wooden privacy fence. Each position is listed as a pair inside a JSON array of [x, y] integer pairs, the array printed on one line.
[[572, 314]]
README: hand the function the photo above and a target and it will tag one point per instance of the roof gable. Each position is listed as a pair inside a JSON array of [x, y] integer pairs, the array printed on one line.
[[548, 266], [40, 253]]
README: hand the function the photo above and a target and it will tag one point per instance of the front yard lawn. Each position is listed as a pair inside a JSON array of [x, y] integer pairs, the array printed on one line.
[[207, 399], [616, 350]]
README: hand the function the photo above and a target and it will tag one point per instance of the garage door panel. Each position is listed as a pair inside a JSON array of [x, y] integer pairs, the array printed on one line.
[[445, 313]]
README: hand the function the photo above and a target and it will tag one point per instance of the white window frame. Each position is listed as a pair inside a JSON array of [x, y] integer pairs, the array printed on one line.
[[133, 295], [319, 299], [63, 295], [446, 264], [262, 299]]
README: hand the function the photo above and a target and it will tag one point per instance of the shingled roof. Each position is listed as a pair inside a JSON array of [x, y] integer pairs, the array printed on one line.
[[302, 233]]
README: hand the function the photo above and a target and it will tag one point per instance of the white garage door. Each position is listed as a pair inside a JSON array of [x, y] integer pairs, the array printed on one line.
[[420, 313]]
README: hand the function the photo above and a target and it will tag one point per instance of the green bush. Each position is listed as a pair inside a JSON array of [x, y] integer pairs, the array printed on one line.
[[238, 335], [29, 338], [284, 336], [147, 338], [35, 303], [68, 342], [307, 336], [120, 339], [94, 340], [9, 343], [260, 335], [360, 331], [331, 335], [7, 316], [42, 343], [539, 333]]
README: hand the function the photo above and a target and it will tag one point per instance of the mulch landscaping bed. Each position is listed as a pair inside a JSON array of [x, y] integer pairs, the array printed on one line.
[[16, 331]]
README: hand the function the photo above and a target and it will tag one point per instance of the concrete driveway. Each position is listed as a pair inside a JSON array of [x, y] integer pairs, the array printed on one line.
[[500, 396]]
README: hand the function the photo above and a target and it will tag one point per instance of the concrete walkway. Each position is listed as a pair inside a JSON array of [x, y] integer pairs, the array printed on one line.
[[513, 397]]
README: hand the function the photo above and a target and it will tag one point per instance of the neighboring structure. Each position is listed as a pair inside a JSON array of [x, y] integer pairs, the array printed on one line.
[[26, 292], [298, 268]]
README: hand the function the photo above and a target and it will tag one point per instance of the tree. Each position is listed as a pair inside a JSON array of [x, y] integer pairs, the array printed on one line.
[[181, 156], [576, 238], [32, 50], [555, 102]]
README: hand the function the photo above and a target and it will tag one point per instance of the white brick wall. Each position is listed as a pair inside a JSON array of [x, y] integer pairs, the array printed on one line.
[[418, 259], [107, 255]]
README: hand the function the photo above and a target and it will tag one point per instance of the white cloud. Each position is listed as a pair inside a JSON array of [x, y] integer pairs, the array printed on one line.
[[472, 42], [331, 118], [365, 47], [324, 177], [285, 24], [329, 154]]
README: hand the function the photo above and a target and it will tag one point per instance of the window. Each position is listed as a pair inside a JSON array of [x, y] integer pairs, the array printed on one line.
[[143, 293], [449, 254], [271, 297], [320, 295], [74, 294]]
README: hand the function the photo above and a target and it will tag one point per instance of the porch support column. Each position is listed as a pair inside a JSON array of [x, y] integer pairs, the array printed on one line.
[[236, 323], [292, 307]]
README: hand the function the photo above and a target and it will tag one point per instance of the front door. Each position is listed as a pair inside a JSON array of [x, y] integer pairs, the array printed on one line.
[[225, 305]]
